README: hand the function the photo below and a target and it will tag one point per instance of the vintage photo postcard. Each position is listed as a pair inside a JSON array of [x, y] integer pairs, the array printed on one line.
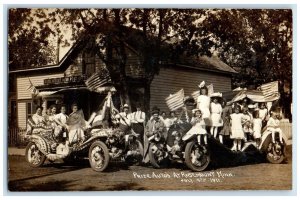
[[149, 99]]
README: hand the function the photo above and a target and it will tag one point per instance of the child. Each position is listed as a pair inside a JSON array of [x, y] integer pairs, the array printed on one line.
[[247, 123], [216, 110], [198, 126], [257, 125], [273, 126], [263, 113], [227, 111], [237, 133], [203, 102]]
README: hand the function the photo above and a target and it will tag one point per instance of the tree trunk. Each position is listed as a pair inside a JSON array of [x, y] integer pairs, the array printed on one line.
[[147, 96]]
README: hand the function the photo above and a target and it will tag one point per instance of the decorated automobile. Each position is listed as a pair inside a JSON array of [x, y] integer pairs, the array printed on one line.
[[86, 139]]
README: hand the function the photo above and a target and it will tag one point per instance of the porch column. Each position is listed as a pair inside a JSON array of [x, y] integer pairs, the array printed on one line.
[[44, 106]]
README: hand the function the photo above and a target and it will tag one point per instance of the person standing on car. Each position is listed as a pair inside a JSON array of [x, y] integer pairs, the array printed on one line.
[[226, 112], [237, 132], [203, 103], [216, 111]]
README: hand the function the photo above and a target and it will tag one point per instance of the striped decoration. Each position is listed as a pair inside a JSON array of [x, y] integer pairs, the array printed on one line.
[[175, 101], [32, 89], [270, 89], [95, 81]]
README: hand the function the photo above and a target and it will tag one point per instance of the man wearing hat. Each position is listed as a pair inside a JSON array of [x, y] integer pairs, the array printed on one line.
[[124, 118], [154, 126]]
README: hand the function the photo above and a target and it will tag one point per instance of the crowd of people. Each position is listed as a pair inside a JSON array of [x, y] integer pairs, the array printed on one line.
[[211, 114]]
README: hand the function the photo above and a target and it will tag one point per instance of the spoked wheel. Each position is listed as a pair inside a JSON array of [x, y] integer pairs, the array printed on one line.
[[135, 153], [158, 155], [275, 152], [98, 156], [197, 156], [34, 156]]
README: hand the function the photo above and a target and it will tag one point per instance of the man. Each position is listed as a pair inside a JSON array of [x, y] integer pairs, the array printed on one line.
[[124, 118], [138, 121], [61, 120], [155, 128]]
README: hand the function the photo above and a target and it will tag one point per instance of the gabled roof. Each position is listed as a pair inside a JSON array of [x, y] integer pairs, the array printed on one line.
[[59, 67], [200, 63], [206, 63]]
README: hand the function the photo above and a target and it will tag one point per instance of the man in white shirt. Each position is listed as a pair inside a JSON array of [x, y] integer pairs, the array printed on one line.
[[138, 121], [62, 118]]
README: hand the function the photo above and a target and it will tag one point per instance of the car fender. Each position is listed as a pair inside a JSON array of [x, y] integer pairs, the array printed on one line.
[[267, 138]]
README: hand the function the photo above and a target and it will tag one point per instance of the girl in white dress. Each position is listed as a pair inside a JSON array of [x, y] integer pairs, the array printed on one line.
[[257, 126], [198, 126], [203, 104], [237, 133], [216, 120]]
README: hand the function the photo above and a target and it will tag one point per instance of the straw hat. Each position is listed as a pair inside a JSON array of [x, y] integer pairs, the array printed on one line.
[[216, 94]]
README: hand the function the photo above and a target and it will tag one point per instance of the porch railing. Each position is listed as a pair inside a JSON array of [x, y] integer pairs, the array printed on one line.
[[16, 137]]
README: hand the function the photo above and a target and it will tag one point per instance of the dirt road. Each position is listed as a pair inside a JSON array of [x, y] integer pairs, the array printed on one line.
[[59, 177]]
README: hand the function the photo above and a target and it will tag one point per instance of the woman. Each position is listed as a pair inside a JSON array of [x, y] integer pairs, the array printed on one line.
[[76, 125], [37, 117]]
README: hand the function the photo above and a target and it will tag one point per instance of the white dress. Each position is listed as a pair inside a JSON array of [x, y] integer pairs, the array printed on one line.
[[257, 125], [38, 119], [263, 113], [236, 126], [198, 127], [203, 103], [216, 111]]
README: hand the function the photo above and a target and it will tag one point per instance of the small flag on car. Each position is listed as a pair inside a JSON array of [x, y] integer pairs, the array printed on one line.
[[175, 101]]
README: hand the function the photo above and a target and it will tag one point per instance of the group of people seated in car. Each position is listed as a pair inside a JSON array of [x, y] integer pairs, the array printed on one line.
[[70, 126]]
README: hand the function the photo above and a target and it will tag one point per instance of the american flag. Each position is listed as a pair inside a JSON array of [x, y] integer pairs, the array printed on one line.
[[31, 88], [175, 101], [97, 80], [270, 89]]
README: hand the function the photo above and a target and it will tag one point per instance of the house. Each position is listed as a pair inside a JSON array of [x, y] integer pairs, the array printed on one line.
[[65, 81]]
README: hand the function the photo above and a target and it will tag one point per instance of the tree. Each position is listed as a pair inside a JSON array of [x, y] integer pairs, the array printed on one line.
[[28, 43]]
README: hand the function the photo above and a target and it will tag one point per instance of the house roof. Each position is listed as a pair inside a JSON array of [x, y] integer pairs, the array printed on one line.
[[201, 63], [206, 63], [59, 67]]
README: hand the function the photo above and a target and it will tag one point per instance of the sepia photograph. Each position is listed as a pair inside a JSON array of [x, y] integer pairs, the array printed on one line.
[[149, 99]]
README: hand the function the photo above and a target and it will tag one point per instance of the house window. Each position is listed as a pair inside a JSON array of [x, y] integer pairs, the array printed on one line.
[[89, 62]]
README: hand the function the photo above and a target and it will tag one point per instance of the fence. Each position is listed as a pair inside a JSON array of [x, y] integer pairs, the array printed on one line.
[[286, 128], [16, 136]]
